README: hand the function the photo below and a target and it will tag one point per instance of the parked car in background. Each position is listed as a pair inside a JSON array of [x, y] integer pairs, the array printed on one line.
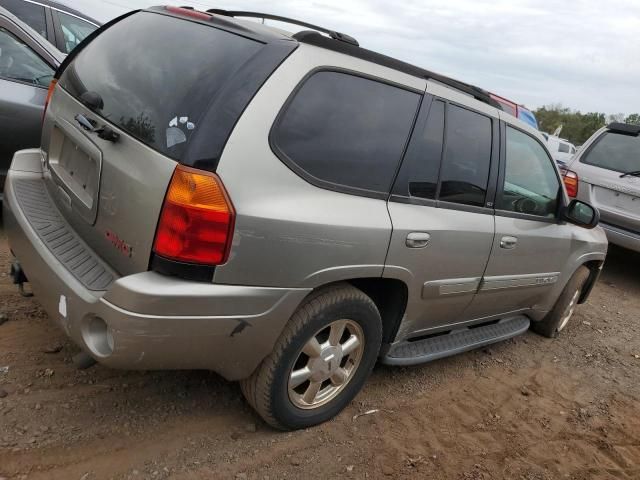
[[561, 149], [518, 111], [286, 209], [606, 173], [61, 25], [27, 65]]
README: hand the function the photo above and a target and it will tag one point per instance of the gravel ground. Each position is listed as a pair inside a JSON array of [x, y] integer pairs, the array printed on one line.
[[529, 408]]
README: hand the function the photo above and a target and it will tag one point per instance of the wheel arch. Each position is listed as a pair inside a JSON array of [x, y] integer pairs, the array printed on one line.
[[390, 296], [595, 267]]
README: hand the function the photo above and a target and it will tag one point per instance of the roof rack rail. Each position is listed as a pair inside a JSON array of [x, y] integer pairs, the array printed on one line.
[[318, 40], [342, 37]]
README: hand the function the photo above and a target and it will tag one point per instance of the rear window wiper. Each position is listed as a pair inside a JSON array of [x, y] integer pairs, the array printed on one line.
[[633, 173]]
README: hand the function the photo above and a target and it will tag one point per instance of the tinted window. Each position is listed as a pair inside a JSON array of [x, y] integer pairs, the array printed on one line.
[[29, 13], [531, 185], [421, 165], [157, 75], [465, 168], [74, 30], [564, 148], [19, 62], [347, 130], [615, 151]]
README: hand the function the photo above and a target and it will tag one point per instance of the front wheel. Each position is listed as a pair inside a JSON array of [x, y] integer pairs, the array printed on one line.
[[558, 318], [320, 362]]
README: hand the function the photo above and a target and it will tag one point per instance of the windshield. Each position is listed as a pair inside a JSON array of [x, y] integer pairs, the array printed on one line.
[[615, 151]]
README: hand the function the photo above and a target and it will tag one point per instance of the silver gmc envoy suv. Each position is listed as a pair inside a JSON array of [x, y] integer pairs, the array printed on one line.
[[285, 210]]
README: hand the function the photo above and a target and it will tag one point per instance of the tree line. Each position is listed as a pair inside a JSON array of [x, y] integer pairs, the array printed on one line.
[[577, 127]]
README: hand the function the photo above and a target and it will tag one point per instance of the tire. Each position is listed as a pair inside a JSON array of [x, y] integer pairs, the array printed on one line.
[[277, 396], [558, 318]]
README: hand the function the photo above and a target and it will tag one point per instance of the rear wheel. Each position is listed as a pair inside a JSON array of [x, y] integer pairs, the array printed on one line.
[[558, 318], [320, 362]]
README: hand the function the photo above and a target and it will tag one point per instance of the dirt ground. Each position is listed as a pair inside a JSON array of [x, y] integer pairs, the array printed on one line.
[[530, 408]]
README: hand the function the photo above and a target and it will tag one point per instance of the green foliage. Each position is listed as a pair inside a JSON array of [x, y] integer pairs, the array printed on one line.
[[577, 127], [634, 119]]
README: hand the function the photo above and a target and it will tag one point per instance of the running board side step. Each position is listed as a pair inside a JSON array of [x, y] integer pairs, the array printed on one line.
[[454, 342]]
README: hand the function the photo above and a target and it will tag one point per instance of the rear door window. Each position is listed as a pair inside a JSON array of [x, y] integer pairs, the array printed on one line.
[[74, 30], [157, 76], [467, 158], [564, 148], [418, 176], [343, 131], [615, 151], [30, 13]]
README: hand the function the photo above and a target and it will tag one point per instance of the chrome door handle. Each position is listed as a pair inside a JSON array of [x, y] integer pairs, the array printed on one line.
[[418, 239], [508, 242]]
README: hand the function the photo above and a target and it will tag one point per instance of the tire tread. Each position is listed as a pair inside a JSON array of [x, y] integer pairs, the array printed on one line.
[[256, 388], [548, 326]]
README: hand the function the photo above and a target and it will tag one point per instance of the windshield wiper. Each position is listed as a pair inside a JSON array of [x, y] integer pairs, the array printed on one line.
[[633, 173]]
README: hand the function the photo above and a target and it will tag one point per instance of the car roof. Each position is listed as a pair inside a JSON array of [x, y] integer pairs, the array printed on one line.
[[516, 122], [335, 41], [34, 36]]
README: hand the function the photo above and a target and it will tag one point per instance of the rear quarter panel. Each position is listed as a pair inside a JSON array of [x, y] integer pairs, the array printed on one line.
[[288, 232]]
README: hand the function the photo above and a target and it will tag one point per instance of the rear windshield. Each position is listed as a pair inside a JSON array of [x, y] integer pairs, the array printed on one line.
[[615, 151], [157, 75]]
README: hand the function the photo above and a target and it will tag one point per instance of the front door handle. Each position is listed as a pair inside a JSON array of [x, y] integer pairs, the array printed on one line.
[[508, 242], [418, 239]]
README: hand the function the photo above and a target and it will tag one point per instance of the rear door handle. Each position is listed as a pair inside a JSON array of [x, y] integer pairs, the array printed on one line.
[[86, 123], [508, 242], [418, 239], [91, 126]]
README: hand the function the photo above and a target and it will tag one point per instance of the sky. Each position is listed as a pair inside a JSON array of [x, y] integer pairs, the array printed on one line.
[[583, 54]]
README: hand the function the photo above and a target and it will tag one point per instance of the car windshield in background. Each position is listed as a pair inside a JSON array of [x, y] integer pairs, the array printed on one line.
[[157, 75], [615, 151]]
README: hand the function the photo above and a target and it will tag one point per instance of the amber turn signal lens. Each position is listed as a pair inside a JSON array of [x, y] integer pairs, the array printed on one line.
[[197, 219]]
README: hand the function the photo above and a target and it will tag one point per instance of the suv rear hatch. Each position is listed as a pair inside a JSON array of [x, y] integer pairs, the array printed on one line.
[[156, 88], [610, 171]]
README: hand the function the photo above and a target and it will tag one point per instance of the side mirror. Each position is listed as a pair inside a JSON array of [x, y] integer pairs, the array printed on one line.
[[581, 214]]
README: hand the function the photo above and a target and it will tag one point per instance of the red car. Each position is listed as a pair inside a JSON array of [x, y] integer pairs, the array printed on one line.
[[516, 110]]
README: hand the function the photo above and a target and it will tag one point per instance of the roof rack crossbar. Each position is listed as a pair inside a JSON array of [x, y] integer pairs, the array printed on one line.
[[343, 37]]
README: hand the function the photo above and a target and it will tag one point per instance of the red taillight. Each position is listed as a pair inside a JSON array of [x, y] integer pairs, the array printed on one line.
[[188, 12], [52, 87], [197, 219], [570, 182]]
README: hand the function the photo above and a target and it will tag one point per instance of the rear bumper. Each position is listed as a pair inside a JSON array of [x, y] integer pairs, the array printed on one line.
[[621, 237], [147, 320]]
